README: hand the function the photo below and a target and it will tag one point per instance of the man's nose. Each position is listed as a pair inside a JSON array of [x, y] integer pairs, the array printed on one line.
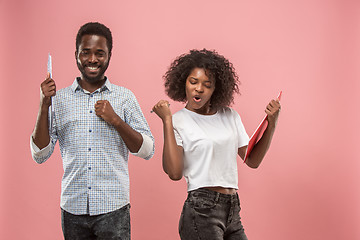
[[92, 58]]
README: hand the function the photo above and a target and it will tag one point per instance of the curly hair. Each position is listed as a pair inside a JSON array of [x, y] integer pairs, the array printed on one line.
[[216, 66], [94, 28]]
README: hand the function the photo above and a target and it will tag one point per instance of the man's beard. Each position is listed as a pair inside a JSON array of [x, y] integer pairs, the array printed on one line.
[[91, 79]]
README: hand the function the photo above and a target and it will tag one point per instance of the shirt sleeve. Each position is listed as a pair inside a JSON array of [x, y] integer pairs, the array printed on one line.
[[41, 155], [146, 147], [136, 120]]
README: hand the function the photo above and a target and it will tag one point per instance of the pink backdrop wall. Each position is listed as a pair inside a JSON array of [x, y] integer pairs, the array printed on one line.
[[308, 185]]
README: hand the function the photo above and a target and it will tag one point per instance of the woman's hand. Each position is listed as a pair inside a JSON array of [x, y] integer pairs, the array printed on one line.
[[273, 110], [162, 109]]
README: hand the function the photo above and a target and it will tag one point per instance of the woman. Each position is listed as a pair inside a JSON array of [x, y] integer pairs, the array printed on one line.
[[202, 140]]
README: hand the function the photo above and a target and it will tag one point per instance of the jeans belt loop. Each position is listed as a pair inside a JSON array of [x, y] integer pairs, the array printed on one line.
[[217, 197]]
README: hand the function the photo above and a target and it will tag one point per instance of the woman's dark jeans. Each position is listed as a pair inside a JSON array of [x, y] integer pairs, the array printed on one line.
[[209, 215]]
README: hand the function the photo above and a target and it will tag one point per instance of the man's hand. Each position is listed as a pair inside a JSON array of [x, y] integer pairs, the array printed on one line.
[[104, 110], [131, 137], [40, 134], [47, 90]]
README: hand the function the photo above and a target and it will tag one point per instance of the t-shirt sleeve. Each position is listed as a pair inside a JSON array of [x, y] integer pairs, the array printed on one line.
[[243, 137], [178, 138], [178, 119]]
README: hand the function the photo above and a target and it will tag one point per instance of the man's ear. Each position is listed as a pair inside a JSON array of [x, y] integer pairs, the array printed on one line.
[[76, 53], [109, 55]]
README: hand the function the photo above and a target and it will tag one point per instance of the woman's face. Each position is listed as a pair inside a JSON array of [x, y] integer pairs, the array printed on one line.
[[199, 89]]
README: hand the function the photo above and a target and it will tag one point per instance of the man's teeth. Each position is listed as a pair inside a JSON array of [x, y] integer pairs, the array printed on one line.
[[92, 68]]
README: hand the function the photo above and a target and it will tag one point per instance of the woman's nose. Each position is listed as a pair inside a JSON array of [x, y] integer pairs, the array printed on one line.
[[199, 88]]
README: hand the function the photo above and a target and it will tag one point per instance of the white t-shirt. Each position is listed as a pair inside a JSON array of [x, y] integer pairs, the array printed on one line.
[[210, 145]]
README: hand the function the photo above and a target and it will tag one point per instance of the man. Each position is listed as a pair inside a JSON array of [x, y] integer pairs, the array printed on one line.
[[97, 124]]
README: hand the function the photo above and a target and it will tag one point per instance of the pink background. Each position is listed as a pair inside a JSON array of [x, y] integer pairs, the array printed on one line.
[[306, 188]]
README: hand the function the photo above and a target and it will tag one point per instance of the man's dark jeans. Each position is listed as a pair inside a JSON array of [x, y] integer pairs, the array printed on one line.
[[112, 225]]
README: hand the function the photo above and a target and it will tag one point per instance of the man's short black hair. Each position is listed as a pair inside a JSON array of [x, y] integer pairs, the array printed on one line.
[[94, 28]]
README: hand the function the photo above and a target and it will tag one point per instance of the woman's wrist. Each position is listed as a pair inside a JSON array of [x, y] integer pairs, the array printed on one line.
[[167, 120]]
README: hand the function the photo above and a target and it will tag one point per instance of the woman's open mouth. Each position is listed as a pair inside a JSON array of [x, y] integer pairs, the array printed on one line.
[[197, 99]]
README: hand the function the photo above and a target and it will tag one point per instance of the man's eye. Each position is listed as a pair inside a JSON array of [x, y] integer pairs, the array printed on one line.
[[84, 52]]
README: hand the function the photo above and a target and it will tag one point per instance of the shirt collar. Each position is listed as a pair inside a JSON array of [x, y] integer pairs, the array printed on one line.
[[76, 86]]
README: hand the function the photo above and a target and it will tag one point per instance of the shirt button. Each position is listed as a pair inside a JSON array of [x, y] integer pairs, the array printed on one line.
[[90, 130], [89, 149], [90, 111], [89, 168], [91, 95], [89, 187]]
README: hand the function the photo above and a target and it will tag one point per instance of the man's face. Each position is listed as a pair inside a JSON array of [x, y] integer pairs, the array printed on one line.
[[92, 58]]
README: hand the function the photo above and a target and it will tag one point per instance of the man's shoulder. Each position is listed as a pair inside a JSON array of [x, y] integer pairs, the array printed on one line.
[[118, 88], [65, 90], [122, 91]]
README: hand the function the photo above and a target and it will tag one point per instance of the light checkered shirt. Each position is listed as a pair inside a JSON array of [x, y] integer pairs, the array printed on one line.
[[95, 158]]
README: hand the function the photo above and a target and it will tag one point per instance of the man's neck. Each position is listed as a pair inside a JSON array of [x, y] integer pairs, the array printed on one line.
[[91, 86]]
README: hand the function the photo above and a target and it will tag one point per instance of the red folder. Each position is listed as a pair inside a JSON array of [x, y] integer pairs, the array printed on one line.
[[258, 133]]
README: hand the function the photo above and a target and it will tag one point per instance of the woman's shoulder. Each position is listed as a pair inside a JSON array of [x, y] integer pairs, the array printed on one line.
[[180, 115], [228, 111]]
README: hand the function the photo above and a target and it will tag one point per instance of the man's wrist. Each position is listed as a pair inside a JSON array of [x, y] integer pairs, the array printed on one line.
[[116, 121], [44, 107]]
